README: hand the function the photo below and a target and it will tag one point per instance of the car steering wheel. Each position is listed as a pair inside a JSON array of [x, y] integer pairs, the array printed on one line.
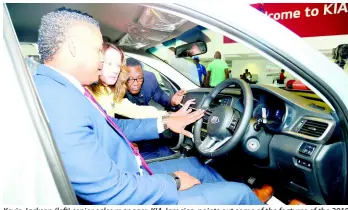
[[225, 125]]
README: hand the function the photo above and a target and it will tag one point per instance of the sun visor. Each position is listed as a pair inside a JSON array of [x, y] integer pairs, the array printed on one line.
[[133, 42], [157, 20], [137, 36], [153, 27], [193, 35]]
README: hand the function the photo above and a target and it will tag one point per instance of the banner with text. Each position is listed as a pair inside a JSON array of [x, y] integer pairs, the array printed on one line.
[[307, 19]]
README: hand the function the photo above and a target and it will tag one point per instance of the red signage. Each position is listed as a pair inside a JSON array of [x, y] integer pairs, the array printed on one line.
[[307, 19]]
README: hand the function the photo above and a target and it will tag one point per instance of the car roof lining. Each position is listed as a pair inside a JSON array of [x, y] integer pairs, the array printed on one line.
[[113, 19]]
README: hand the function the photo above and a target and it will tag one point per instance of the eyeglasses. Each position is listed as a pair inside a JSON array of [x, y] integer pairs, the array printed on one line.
[[131, 80]]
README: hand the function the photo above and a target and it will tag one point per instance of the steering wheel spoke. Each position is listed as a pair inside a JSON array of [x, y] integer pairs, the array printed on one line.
[[234, 122], [208, 112], [207, 143], [211, 144]]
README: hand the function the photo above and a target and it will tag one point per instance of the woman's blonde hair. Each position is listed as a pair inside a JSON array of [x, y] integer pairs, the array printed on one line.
[[120, 87]]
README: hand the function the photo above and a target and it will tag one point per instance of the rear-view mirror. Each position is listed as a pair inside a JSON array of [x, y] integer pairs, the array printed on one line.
[[191, 49]]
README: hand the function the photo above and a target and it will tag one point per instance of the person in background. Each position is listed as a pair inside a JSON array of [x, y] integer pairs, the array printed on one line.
[[247, 76], [142, 86], [217, 71], [282, 77], [202, 73]]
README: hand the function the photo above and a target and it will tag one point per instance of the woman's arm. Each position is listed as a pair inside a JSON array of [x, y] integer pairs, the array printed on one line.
[[130, 110]]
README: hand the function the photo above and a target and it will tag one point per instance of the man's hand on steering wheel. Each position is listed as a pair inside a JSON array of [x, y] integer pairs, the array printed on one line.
[[178, 123]]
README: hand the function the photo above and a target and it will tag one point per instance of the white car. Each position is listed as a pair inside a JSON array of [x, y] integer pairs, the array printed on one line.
[[295, 141]]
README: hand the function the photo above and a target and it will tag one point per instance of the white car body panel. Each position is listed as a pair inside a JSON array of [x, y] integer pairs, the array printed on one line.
[[27, 179]]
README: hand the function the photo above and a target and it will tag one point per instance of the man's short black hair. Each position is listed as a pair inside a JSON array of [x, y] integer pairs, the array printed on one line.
[[73, 10], [133, 62]]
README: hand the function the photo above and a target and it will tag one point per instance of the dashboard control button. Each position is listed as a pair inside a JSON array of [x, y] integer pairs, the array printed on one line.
[[307, 149], [304, 163]]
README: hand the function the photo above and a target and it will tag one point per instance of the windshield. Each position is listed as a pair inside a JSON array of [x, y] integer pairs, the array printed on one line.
[[235, 60], [185, 66]]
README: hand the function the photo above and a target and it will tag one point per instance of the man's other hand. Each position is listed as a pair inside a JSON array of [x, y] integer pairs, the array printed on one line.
[[187, 181], [178, 123], [185, 110], [177, 97]]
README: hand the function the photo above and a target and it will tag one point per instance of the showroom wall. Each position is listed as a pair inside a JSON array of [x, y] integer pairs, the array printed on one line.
[[258, 68], [298, 18], [324, 44]]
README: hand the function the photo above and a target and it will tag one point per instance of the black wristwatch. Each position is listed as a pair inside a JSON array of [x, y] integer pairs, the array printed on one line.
[[177, 180]]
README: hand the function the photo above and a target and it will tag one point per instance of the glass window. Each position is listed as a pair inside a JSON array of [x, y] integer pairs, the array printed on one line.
[[241, 61]]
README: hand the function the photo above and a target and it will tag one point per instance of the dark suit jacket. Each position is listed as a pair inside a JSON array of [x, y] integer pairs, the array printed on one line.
[[150, 90], [99, 162]]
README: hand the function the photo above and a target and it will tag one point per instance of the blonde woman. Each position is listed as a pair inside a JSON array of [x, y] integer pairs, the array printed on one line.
[[111, 88]]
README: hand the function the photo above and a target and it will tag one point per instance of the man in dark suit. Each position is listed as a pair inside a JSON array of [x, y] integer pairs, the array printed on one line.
[[142, 86], [102, 165]]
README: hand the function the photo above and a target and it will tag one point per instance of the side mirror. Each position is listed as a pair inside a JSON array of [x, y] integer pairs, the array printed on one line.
[[191, 49]]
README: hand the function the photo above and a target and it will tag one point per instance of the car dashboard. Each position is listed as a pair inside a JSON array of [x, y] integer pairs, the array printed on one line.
[[286, 112], [300, 141]]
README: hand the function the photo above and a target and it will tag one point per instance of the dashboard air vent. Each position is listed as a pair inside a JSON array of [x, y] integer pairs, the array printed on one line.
[[313, 128]]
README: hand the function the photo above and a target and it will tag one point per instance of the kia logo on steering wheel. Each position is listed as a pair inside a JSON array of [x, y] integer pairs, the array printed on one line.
[[214, 120]]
